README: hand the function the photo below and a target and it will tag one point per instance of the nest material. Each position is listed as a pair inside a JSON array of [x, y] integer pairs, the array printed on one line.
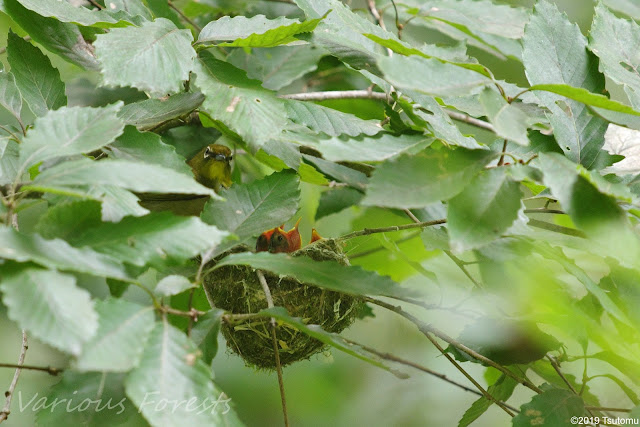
[[237, 289]]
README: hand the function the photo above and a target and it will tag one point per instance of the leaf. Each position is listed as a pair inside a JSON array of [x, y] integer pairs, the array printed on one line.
[[340, 173], [417, 181], [156, 57], [430, 76], [578, 132], [132, 7], [332, 339], [446, 54], [39, 82], [484, 210], [257, 31], [382, 147], [50, 306], [329, 121], [627, 7], [118, 344], [58, 37], [9, 161], [553, 408], [71, 177], [337, 199], [116, 202], [278, 66], [69, 220], [149, 113], [66, 12], [205, 333], [326, 274], [249, 209], [173, 285], [147, 147], [628, 367], [57, 254], [155, 238], [501, 390], [170, 371], [508, 121], [70, 130], [586, 97], [253, 113], [10, 97]]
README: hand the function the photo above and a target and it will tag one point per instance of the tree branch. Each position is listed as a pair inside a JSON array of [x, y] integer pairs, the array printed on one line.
[[368, 231], [48, 369], [6, 410]]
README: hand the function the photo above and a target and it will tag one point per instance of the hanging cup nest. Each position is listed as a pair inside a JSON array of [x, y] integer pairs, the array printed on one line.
[[238, 290]]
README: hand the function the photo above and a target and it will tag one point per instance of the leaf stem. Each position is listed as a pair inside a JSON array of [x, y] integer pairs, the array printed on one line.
[[183, 16]]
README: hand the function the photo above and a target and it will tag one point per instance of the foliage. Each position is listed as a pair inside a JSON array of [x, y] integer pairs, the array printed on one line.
[[452, 186]]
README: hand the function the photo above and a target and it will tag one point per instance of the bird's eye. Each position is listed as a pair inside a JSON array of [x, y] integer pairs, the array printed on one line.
[[279, 238], [230, 158]]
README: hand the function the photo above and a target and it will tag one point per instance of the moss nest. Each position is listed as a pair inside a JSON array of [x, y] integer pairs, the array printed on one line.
[[238, 290]]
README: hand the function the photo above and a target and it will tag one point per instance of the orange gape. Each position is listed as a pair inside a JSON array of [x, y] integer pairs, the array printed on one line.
[[314, 236], [285, 241], [262, 245]]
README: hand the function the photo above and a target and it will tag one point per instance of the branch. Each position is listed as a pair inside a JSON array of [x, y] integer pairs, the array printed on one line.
[[192, 313], [556, 228], [4, 414], [462, 267], [368, 231], [183, 16], [48, 369], [380, 248]]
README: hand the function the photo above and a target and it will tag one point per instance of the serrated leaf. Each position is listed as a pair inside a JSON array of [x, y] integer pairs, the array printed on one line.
[[147, 147], [484, 210], [173, 285], [205, 333], [149, 113], [73, 177], [278, 66], [329, 121], [325, 274], [39, 82], [337, 199], [154, 238], [10, 97], [430, 76], [578, 132], [586, 97], [156, 57], [257, 31], [628, 7], [508, 121], [553, 408], [132, 7], [338, 172], [332, 339], [253, 113], [417, 181], [170, 370], [371, 149], [65, 12], [69, 220], [249, 209], [501, 390], [453, 54], [9, 161], [50, 306], [116, 202], [57, 254], [117, 345], [70, 130], [58, 37]]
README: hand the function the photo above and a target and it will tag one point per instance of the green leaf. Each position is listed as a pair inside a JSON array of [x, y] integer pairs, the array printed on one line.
[[149, 113], [257, 31], [553, 408], [418, 181], [70, 130], [447, 54], [628, 367], [253, 113], [329, 338], [57, 254], [329, 121], [69, 220], [250, 209], [326, 274], [51, 307], [501, 390], [147, 147], [338, 172], [132, 7], [156, 57], [336, 199], [118, 344], [170, 370], [508, 121], [116, 202], [9, 160], [628, 7], [71, 177], [10, 97], [586, 97], [484, 210], [205, 333], [58, 37], [579, 133], [278, 66], [173, 285], [430, 76], [66, 12], [39, 82], [155, 238], [382, 147]]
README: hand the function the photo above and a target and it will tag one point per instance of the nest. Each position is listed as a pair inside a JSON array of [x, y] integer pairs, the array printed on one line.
[[238, 290]]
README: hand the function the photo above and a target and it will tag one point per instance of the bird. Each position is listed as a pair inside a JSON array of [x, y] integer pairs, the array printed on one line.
[[262, 245], [285, 241], [211, 167]]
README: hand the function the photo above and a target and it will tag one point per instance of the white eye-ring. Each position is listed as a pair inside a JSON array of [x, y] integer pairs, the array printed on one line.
[[207, 152]]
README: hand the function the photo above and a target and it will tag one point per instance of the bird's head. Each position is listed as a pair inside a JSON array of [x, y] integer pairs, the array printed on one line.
[[285, 241], [212, 166]]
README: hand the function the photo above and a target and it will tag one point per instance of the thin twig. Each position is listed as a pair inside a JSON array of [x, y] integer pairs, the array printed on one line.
[[555, 365], [48, 369], [605, 408], [428, 329], [371, 5], [543, 210], [461, 117], [183, 16], [555, 228], [192, 313], [276, 351], [368, 231], [190, 308], [4, 414], [504, 149], [380, 248], [462, 267], [96, 4]]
